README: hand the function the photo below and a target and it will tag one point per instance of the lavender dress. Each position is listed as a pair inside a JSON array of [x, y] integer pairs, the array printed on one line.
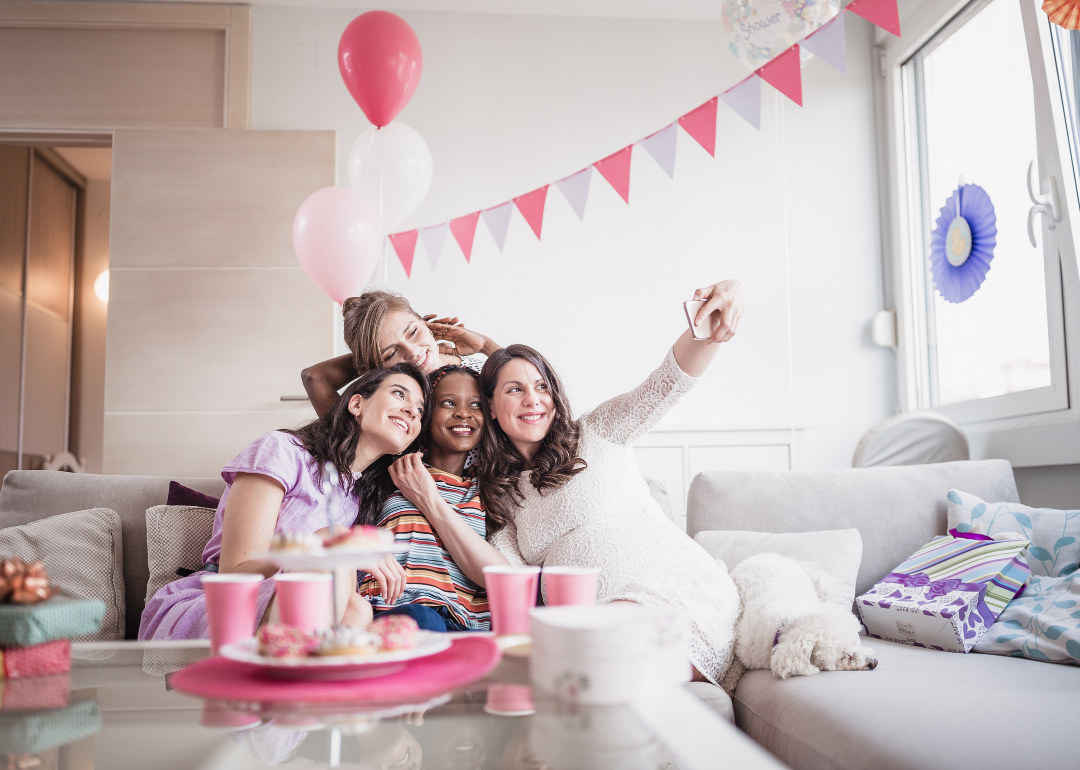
[[178, 610]]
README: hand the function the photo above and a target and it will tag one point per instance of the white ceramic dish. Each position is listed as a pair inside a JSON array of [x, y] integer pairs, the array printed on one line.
[[327, 667]]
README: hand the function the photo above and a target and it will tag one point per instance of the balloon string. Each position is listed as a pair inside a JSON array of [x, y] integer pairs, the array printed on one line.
[[780, 162]]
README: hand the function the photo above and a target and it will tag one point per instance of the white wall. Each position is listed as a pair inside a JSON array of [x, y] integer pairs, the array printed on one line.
[[508, 103]]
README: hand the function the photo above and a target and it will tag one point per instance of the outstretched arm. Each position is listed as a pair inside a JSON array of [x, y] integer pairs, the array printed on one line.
[[323, 380]]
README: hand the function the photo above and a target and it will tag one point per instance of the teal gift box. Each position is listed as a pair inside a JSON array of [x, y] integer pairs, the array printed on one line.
[[61, 617]]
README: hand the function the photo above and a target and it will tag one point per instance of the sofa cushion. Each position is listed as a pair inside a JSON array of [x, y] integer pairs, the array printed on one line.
[[176, 536], [919, 709], [838, 552], [1054, 535], [897, 510], [31, 495], [83, 554], [1041, 624]]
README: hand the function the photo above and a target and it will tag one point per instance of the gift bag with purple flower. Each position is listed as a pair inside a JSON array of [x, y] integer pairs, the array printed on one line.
[[947, 594]]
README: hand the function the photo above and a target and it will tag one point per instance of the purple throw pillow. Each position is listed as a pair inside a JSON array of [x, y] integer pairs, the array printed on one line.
[[181, 495]]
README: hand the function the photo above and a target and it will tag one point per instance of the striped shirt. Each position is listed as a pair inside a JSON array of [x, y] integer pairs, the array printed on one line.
[[432, 576]]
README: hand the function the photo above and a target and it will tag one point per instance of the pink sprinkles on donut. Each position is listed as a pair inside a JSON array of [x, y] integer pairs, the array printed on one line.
[[396, 632]]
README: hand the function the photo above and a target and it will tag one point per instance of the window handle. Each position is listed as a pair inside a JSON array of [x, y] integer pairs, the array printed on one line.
[[1046, 203]]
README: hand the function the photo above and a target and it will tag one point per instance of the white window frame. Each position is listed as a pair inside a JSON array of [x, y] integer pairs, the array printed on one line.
[[1029, 428]]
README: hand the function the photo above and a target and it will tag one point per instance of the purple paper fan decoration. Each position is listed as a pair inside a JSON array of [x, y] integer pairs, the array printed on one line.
[[962, 243]]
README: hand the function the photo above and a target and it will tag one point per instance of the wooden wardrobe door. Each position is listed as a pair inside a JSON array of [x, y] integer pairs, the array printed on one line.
[[211, 318]]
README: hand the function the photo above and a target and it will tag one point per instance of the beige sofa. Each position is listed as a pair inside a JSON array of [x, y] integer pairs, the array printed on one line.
[[919, 709]]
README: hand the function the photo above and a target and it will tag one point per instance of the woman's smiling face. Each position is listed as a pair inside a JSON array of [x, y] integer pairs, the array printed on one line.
[[522, 405], [405, 338], [456, 417], [390, 419]]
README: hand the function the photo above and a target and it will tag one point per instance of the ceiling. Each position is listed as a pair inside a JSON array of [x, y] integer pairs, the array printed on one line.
[[624, 9]]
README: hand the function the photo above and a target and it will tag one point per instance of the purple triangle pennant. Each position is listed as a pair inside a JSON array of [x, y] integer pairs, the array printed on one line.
[[432, 238], [829, 44], [661, 147], [745, 99], [497, 219], [575, 188]]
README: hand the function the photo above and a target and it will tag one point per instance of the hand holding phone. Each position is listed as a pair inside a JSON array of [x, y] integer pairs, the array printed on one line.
[[702, 331]]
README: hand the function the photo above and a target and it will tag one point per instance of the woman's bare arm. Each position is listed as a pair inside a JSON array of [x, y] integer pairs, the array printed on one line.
[[470, 551], [323, 381], [248, 523]]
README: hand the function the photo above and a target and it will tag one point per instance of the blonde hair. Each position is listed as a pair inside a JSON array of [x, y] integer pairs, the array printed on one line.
[[363, 318]]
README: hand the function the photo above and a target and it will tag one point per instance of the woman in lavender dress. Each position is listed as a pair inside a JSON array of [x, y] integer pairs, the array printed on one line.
[[274, 486]]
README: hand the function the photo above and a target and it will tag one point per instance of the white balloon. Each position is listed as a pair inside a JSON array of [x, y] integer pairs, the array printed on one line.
[[391, 167]]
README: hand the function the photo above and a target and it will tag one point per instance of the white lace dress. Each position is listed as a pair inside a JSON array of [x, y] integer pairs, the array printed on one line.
[[605, 517]]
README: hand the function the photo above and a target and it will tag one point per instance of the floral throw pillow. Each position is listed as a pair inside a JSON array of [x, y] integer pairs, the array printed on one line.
[[1054, 535], [1043, 624]]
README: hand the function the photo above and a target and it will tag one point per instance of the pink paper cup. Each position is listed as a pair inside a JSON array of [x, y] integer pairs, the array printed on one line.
[[304, 599], [509, 700], [570, 585], [231, 601], [511, 594]]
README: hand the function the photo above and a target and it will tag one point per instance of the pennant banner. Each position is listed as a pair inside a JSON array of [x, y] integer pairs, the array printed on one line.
[[531, 206], [661, 146], [498, 221], [701, 125], [783, 72], [464, 229], [575, 188], [432, 238], [404, 245], [745, 99], [828, 44], [616, 169], [880, 13]]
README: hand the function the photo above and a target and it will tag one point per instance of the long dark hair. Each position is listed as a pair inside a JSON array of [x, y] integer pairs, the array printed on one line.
[[501, 464], [334, 438]]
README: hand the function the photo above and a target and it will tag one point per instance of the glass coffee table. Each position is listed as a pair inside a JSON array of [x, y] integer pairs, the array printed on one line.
[[121, 713]]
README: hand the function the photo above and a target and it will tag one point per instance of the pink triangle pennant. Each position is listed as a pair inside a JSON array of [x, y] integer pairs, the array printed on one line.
[[881, 13], [464, 229], [829, 44], [700, 123], [661, 146], [745, 99], [784, 73], [405, 246], [616, 169], [531, 206]]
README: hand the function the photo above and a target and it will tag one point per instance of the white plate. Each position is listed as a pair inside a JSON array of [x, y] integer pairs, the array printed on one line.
[[298, 560], [337, 666]]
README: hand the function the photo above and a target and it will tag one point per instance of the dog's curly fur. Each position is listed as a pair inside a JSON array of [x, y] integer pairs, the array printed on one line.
[[779, 593]]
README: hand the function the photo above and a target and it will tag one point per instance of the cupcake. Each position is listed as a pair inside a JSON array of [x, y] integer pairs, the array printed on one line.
[[305, 542], [396, 632], [362, 537], [347, 640]]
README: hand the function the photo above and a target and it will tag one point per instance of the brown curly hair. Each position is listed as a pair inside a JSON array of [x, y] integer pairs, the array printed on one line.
[[501, 464], [363, 316]]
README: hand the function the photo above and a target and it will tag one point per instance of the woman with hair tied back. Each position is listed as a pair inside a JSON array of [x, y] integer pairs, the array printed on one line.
[[275, 486], [382, 329], [565, 492]]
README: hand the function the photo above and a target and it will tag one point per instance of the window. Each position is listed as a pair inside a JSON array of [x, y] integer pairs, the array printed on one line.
[[970, 114]]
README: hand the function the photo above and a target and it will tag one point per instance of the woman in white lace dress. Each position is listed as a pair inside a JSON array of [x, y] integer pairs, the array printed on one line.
[[568, 493]]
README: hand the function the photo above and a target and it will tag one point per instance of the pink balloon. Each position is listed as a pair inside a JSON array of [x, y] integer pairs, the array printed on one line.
[[337, 240], [380, 61]]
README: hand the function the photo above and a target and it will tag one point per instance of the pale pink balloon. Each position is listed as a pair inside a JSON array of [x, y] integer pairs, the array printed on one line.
[[337, 240]]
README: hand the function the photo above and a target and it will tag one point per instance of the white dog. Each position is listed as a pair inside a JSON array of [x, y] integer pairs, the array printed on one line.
[[786, 623]]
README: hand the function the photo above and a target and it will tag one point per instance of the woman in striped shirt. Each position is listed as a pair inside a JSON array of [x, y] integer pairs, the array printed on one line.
[[438, 513]]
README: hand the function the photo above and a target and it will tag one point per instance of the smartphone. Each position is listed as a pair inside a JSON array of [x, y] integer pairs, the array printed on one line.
[[703, 330]]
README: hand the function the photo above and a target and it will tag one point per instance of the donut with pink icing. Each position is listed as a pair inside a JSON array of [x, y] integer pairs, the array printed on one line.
[[396, 632], [286, 642]]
